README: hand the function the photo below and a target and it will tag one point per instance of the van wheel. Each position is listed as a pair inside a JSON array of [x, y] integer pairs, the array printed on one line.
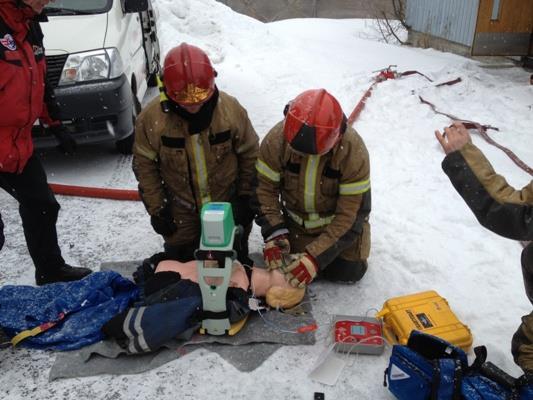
[[125, 146]]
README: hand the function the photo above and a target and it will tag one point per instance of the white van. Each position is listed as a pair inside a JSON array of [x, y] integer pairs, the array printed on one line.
[[101, 57]]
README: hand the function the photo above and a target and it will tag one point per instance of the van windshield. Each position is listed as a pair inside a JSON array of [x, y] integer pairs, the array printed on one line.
[[75, 7]]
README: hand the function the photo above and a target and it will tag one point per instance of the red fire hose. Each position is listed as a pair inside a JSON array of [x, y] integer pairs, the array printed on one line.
[[94, 192]]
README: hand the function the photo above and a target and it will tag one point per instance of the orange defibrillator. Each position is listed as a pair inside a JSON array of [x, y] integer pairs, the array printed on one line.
[[426, 312]]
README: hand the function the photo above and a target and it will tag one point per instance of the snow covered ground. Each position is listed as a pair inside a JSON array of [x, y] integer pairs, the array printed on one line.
[[423, 236]]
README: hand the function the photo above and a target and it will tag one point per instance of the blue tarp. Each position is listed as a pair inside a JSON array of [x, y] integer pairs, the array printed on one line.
[[88, 304]]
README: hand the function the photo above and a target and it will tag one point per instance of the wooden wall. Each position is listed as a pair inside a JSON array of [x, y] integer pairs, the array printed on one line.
[[515, 16], [510, 34]]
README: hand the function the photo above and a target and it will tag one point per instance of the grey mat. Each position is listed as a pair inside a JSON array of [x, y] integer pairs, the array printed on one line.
[[258, 340]]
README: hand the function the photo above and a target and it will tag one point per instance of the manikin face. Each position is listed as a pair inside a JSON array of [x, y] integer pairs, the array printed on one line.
[[36, 5]]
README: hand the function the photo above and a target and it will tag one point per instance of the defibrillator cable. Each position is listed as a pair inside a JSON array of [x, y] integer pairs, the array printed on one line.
[[301, 329]]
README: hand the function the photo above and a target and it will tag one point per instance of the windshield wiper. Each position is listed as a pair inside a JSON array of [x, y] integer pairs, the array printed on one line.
[[64, 11]]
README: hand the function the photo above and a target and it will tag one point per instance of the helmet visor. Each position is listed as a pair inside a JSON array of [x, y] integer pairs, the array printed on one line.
[[189, 83], [309, 139]]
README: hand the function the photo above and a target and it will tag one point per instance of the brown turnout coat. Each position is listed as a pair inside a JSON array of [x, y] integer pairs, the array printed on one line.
[[187, 170], [325, 196]]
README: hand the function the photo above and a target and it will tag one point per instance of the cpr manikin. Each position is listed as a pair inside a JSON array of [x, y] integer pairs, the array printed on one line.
[[269, 284]]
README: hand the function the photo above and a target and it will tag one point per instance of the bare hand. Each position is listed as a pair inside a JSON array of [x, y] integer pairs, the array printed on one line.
[[454, 137]]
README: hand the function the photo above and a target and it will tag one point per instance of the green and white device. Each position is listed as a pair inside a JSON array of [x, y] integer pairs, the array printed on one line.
[[216, 245]]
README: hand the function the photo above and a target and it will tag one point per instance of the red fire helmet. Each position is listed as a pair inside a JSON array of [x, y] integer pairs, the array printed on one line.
[[314, 122], [188, 75]]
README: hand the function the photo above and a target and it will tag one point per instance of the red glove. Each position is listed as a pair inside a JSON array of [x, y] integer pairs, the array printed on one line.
[[274, 251], [301, 271]]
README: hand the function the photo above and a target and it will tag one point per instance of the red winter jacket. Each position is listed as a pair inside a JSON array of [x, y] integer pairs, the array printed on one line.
[[22, 83]]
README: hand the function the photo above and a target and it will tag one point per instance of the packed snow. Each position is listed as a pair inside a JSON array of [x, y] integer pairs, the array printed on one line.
[[423, 235]]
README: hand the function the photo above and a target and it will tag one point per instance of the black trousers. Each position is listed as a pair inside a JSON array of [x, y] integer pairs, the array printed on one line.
[[344, 271], [38, 210]]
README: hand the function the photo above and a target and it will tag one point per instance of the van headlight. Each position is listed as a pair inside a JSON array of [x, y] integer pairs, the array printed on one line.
[[91, 66]]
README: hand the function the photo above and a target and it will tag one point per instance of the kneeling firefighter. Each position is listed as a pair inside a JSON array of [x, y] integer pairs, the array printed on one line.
[[193, 145], [313, 193]]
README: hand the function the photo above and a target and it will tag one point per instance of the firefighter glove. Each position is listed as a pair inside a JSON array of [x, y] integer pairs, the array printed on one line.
[[274, 251], [163, 222], [301, 271], [67, 144]]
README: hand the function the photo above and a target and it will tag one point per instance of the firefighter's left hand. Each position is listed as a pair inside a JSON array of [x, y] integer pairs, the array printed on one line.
[[454, 137], [301, 271]]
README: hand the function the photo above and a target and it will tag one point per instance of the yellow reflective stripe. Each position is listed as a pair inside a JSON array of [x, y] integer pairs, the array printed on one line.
[[162, 95], [145, 152], [311, 171], [314, 221], [347, 189], [311, 224], [25, 334], [263, 168], [201, 168]]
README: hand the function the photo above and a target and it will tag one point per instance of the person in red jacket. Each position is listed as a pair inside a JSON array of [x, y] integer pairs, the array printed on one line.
[[22, 94]]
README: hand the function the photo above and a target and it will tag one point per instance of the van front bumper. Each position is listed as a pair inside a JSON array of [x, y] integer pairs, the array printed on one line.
[[92, 112]]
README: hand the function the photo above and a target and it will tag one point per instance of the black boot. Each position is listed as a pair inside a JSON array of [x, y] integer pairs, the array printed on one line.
[[65, 273], [5, 341]]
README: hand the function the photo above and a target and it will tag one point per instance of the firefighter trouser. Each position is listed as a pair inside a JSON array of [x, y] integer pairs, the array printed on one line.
[[38, 210], [349, 266], [522, 344]]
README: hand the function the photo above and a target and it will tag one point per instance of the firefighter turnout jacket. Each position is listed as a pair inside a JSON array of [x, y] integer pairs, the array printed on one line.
[[189, 170], [22, 83], [503, 210], [327, 196]]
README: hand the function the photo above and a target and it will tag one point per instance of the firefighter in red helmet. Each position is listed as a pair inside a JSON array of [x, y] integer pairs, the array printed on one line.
[[193, 145], [312, 197]]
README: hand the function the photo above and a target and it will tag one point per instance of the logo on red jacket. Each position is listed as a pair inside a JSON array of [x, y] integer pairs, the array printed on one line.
[[8, 42]]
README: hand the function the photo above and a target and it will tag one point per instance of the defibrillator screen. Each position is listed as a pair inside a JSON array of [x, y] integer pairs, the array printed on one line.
[[357, 330]]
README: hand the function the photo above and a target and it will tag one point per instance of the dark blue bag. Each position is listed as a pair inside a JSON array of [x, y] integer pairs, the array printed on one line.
[[431, 368]]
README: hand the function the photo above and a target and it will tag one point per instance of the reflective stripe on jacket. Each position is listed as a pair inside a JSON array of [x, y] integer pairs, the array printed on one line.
[[190, 170], [327, 194]]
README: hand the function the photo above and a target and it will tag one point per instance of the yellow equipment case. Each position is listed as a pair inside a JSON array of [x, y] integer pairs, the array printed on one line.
[[426, 312]]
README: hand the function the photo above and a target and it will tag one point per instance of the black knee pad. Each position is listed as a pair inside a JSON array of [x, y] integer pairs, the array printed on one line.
[[345, 271]]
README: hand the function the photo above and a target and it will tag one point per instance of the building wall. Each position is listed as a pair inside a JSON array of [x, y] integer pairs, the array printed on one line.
[[504, 27], [453, 20], [273, 10]]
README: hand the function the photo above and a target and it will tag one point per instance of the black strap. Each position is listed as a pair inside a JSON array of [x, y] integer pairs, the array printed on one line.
[[220, 137], [217, 255], [434, 395], [214, 314], [481, 357], [293, 167], [457, 380], [332, 173], [173, 142]]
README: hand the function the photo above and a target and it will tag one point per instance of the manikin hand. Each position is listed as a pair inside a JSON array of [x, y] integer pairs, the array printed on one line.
[[454, 137]]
